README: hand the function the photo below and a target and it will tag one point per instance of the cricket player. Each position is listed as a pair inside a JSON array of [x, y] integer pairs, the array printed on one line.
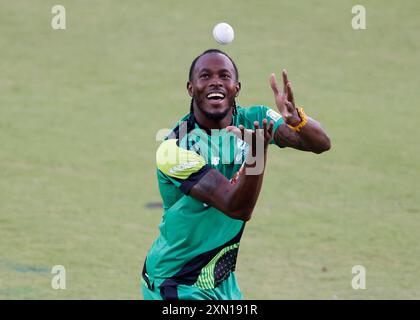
[[210, 171]]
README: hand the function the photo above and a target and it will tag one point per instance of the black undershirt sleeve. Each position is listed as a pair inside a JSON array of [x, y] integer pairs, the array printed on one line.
[[188, 183]]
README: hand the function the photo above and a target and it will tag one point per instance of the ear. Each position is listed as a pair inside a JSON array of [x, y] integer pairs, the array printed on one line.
[[190, 88], [237, 88]]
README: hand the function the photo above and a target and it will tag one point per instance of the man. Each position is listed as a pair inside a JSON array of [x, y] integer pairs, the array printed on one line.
[[210, 177]]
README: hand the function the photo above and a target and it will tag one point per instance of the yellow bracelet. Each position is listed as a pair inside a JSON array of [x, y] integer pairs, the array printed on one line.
[[304, 121]]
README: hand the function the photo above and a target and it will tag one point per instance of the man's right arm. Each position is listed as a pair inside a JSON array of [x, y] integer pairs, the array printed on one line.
[[189, 171], [237, 200]]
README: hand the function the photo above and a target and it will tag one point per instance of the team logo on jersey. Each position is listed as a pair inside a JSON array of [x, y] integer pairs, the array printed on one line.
[[215, 161], [273, 115]]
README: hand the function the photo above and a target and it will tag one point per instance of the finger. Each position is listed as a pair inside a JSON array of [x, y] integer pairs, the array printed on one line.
[[290, 96], [265, 125], [269, 133], [242, 129], [285, 80], [271, 128], [256, 132], [235, 130], [273, 83], [256, 125]]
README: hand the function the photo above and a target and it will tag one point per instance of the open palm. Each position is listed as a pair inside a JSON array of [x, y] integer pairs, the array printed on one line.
[[285, 100]]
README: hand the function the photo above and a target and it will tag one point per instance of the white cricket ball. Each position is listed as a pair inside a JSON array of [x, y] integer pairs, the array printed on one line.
[[223, 33]]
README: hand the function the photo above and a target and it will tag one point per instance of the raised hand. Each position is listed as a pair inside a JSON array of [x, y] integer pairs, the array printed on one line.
[[284, 100], [265, 133]]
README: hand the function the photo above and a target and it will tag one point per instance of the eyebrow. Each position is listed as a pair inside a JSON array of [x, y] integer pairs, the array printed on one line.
[[208, 70]]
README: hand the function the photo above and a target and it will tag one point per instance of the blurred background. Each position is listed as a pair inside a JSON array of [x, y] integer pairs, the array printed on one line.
[[80, 109]]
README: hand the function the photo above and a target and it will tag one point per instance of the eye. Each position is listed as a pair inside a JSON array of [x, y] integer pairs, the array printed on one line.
[[204, 76], [225, 76]]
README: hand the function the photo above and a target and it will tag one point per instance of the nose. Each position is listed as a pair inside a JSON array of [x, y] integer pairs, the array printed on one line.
[[216, 81]]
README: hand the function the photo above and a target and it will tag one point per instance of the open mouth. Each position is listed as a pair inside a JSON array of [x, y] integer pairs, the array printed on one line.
[[216, 96]]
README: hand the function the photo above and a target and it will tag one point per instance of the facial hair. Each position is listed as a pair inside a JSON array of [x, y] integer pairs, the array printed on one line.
[[217, 116]]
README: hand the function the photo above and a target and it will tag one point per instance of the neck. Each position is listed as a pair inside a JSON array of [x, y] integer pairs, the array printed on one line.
[[209, 123]]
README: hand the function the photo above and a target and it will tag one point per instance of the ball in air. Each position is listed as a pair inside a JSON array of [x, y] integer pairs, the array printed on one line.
[[223, 33]]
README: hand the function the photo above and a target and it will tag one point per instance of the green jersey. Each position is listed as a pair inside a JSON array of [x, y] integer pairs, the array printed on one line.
[[198, 244]]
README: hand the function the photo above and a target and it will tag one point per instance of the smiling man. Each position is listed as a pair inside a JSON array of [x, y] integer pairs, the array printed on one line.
[[208, 182]]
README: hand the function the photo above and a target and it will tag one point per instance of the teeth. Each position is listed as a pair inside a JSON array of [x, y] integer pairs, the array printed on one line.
[[215, 95]]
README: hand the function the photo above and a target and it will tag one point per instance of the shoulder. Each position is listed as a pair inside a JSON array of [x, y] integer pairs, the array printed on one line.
[[177, 162], [257, 113], [181, 126]]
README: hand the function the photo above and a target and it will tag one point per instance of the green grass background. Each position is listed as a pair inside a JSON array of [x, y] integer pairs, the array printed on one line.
[[80, 108]]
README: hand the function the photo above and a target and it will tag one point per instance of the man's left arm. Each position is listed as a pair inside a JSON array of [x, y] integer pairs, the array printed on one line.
[[311, 137], [298, 130]]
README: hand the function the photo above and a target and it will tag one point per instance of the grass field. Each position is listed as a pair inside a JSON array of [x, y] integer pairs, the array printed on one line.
[[80, 108]]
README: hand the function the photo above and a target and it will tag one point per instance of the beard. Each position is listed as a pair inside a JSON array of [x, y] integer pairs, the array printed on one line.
[[217, 116]]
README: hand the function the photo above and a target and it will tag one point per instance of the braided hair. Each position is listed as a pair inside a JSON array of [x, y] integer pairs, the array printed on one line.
[[190, 75]]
